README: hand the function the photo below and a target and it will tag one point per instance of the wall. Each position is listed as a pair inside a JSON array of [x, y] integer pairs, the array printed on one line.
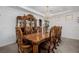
[[8, 23], [68, 21]]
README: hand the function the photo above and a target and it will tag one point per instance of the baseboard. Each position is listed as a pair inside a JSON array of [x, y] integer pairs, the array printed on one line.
[[7, 43], [70, 38]]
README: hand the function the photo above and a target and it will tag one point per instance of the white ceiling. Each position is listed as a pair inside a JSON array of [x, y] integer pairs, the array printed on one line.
[[54, 9]]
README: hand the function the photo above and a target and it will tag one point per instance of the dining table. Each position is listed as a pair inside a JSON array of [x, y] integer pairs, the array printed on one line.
[[36, 39]]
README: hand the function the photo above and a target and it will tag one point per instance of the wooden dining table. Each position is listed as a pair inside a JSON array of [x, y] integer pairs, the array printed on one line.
[[36, 39]]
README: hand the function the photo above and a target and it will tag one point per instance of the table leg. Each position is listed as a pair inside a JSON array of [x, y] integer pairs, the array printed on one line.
[[35, 48]]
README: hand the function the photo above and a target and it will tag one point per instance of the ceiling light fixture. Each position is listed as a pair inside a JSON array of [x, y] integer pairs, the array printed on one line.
[[46, 13]]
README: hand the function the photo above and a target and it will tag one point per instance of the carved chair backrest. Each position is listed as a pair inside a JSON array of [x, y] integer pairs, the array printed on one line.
[[52, 34], [19, 35]]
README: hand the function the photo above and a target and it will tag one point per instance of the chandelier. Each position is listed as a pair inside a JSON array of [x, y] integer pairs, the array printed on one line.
[[47, 13]]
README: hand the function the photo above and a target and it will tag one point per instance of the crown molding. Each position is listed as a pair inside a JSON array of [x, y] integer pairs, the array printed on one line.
[[31, 10], [41, 14], [60, 13]]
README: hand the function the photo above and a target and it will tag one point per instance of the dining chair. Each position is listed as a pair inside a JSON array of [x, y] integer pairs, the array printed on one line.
[[57, 30], [22, 47], [22, 29], [49, 44], [59, 34]]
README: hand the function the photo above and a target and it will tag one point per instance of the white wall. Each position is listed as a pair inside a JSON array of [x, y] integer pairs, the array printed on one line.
[[68, 21], [8, 23]]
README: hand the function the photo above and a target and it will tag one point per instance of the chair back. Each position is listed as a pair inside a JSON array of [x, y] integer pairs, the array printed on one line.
[[19, 35], [58, 30], [55, 32], [52, 35]]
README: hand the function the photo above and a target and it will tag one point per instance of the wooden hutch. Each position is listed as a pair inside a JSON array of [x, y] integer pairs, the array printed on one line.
[[28, 23]]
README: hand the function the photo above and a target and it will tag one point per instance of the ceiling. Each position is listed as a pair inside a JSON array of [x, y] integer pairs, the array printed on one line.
[[52, 10]]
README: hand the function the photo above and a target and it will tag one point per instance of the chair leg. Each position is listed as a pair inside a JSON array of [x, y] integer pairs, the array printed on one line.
[[39, 50], [49, 51], [59, 40], [53, 51], [19, 50], [55, 45]]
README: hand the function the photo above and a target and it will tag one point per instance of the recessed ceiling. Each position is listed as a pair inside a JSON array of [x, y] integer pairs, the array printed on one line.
[[54, 9]]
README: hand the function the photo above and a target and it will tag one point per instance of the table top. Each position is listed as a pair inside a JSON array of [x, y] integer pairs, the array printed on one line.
[[37, 37]]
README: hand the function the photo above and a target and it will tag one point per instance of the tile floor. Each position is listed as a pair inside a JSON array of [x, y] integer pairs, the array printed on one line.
[[66, 46]]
